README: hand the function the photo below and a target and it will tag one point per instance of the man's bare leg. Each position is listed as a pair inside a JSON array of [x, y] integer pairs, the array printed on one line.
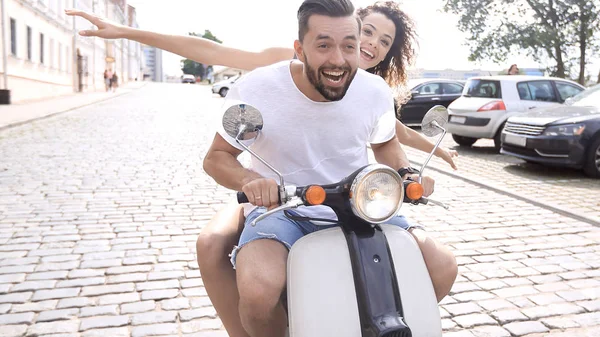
[[213, 246], [261, 279]]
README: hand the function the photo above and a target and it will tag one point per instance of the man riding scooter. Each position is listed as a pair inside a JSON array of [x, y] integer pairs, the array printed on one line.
[[320, 114]]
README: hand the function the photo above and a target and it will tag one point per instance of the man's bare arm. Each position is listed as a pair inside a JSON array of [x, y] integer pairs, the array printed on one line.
[[391, 154], [222, 165]]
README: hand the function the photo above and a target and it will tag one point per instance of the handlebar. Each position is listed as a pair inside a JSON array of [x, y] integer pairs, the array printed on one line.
[[242, 198]]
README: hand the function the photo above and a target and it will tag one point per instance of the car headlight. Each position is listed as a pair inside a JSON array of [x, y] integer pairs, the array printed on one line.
[[565, 130], [376, 193]]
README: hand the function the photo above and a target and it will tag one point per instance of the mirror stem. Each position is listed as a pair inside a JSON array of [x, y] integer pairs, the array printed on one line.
[[437, 144], [282, 194]]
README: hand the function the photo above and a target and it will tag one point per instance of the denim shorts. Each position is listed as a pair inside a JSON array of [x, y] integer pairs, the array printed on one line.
[[280, 228]]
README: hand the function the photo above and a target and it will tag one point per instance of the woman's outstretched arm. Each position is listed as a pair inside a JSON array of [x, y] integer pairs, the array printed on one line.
[[194, 48]]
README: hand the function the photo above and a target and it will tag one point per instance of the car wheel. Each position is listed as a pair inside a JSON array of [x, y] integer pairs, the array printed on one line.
[[223, 92], [592, 163], [464, 141], [498, 138]]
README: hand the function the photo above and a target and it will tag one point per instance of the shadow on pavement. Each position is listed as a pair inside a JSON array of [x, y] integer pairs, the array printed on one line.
[[543, 172]]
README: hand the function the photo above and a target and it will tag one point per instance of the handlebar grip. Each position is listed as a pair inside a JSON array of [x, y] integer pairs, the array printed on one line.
[[242, 198]]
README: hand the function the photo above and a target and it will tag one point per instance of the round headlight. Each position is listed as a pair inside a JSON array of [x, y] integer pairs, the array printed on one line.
[[376, 193]]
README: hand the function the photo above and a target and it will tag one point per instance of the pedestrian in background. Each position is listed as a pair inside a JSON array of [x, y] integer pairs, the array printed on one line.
[[115, 82]]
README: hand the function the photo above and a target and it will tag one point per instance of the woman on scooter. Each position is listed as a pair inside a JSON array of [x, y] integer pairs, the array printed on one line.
[[386, 49]]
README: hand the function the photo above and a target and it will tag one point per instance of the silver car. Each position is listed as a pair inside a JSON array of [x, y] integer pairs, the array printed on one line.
[[488, 101]]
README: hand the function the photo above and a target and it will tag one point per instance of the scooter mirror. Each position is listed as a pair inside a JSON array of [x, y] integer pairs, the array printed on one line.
[[435, 120], [242, 121]]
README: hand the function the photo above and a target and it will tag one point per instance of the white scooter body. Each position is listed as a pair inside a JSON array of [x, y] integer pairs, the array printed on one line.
[[322, 300]]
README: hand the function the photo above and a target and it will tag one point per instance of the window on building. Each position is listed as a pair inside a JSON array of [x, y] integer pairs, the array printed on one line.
[[51, 51], [60, 57], [13, 36], [29, 43], [68, 58], [41, 48]]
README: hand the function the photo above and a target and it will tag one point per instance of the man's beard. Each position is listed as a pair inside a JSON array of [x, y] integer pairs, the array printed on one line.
[[330, 93]]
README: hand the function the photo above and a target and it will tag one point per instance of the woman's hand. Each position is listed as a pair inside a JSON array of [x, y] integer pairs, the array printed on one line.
[[447, 155], [106, 29]]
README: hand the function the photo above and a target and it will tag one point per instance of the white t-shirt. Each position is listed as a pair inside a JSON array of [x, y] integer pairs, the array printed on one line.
[[313, 142]]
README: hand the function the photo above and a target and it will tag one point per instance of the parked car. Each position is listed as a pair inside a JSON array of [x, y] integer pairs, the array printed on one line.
[[565, 135], [488, 101], [222, 87], [187, 78], [425, 94]]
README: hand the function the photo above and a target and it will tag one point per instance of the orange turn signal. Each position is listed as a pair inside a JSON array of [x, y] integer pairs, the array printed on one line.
[[414, 191], [315, 195]]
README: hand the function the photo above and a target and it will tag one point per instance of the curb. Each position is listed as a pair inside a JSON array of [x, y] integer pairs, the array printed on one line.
[[499, 190], [12, 125]]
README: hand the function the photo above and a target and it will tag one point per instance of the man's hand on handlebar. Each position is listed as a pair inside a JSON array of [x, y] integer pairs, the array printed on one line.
[[428, 184], [262, 192]]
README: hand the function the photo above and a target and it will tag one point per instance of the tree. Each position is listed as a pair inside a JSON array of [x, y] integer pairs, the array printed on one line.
[[546, 30], [194, 68]]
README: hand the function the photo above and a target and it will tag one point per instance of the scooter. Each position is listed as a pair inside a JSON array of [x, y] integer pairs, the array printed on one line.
[[363, 278]]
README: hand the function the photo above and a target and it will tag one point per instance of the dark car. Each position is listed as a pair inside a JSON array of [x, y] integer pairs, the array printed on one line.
[[563, 135], [425, 94]]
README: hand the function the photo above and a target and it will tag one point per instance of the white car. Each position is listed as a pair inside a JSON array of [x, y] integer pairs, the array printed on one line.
[[222, 87], [186, 78], [488, 101]]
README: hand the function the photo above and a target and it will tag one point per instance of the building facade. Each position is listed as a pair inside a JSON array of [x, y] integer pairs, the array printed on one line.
[[46, 57], [153, 69]]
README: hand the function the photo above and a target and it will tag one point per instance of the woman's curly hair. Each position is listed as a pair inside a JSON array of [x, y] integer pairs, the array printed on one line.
[[401, 53]]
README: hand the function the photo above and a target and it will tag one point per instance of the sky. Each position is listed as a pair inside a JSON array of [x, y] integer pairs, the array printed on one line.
[[258, 24]]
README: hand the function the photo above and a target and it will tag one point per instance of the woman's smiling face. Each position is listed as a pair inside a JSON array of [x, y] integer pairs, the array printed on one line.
[[377, 36]]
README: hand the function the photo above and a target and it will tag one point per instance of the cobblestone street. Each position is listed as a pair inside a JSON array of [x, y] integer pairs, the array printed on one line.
[[100, 208]]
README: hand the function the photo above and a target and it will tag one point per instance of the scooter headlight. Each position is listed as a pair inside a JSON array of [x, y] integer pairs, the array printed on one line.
[[376, 193]]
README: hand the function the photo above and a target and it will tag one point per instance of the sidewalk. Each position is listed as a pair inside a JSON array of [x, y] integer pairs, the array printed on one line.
[[19, 113]]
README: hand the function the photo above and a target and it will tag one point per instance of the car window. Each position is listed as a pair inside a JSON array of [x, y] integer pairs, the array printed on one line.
[[566, 90], [524, 93], [588, 97], [430, 89], [483, 88], [451, 89], [537, 91]]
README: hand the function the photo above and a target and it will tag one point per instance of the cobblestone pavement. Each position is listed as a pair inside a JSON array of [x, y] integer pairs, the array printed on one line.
[[565, 189], [100, 208]]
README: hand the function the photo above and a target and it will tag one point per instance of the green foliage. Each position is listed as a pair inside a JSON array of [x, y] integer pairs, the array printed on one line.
[[549, 31], [195, 68]]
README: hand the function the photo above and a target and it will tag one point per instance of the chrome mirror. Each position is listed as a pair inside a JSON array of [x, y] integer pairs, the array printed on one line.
[[242, 122], [435, 120]]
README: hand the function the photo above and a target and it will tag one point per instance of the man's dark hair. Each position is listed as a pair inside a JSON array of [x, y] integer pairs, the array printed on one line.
[[332, 8]]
